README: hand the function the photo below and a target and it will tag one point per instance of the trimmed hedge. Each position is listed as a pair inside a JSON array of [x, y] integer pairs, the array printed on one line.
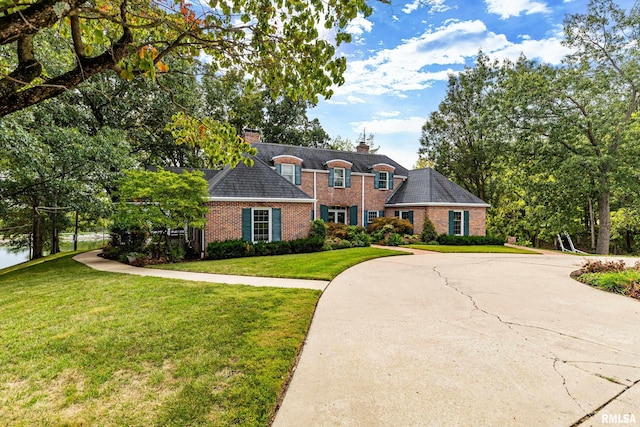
[[240, 248], [446, 239]]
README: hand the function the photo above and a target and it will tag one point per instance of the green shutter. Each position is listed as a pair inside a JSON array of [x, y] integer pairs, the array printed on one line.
[[246, 224], [276, 225], [390, 180], [324, 213], [450, 222], [347, 178], [313, 215], [353, 215], [411, 217], [381, 213], [376, 178], [279, 169], [330, 177], [396, 214], [365, 220], [466, 223], [298, 174]]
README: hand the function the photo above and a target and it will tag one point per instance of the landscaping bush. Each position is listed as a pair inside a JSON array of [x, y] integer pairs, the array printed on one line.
[[446, 239], [604, 266], [339, 230], [229, 249], [318, 229], [358, 236], [394, 239], [240, 248], [429, 233], [336, 243], [399, 226]]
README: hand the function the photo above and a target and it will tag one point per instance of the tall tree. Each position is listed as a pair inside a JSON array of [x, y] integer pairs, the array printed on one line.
[[50, 46], [465, 137], [581, 116]]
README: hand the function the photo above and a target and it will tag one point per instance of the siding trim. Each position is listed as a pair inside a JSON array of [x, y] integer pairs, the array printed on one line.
[[258, 199], [462, 205]]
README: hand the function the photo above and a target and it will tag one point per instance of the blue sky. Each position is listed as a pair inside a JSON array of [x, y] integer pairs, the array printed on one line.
[[401, 55]]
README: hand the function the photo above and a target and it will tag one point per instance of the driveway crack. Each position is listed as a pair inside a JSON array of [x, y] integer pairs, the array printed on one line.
[[604, 405], [564, 382]]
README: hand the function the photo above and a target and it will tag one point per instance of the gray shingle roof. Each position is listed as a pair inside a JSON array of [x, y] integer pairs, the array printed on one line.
[[315, 158], [426, 186], [257, 182]]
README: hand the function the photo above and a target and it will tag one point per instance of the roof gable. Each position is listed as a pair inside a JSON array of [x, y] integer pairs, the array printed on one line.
[[428, 187]]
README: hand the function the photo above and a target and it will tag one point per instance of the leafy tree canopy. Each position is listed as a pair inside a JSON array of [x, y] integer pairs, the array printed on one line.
[[50, 46]]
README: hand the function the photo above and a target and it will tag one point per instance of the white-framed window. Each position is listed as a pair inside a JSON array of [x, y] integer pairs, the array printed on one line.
[[404, 215], [458, 228], [261, 225], [337, 214], [338, 177], [371, 215], [288, 171], [383, 180]]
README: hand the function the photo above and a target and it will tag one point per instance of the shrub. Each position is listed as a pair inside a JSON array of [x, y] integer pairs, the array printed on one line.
[[229, 249], [339, 230], [429, 233], [307, 245], [358, 236], [394, 239], [318, 229], [446, 239], [337, 243], [399, 226], [604, 266]]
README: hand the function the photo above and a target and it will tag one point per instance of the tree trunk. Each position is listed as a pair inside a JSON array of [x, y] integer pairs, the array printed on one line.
[[37, 233], [592, 223], [604, 232]]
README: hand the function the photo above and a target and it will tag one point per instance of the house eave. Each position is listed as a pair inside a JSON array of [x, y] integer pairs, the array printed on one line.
[[439, 204], [259, 199]]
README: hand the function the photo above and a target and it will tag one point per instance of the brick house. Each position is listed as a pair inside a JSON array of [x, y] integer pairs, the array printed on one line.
[[289, 186]]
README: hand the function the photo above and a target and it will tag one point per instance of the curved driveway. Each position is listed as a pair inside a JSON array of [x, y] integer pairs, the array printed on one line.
[[467, 339]]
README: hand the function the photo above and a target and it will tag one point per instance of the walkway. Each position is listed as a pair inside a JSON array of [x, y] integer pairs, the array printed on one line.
[[467, 339], [92, 260]]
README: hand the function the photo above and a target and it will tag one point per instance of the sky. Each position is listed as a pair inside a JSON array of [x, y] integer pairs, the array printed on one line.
[[401, 55]]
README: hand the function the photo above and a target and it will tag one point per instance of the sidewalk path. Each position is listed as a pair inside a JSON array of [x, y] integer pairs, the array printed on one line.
[[92, 260], [467, 340]]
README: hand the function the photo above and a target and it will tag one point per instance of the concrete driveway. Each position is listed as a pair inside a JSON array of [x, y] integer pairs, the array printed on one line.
[[477, 339]]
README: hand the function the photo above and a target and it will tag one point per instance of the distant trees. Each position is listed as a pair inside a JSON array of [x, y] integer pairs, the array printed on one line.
[[561, 142]]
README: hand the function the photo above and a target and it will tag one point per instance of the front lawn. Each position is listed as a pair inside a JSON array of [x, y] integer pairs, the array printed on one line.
[[471, 249], [83, 347], [319, 265]]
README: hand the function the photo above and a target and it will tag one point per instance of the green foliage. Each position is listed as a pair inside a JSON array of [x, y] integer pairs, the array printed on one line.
[[318, 229], [239, 248], [156, 202], [446, 239], [429, 233], [397, 225], [341, 236], [394, 239], [620, 282]]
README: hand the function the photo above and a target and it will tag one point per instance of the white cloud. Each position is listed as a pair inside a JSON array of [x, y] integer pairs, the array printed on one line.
[[410, 7], [359, 25], [419, 61], [435, 6], [355, 100], [390, 126], [510, 8], [388, 113]]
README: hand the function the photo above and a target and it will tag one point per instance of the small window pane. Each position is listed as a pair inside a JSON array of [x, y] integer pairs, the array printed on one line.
[[338, 177], [404, 215], [288, 171], [457, 223], [371, 215], [261, 225], [383, 179]]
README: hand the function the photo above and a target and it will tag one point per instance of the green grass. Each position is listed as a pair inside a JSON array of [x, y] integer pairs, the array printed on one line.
[[320, 265], [82, 347], [617, 282], [472, 249]]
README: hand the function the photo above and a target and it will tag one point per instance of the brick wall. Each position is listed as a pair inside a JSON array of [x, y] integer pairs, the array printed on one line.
[[224, 219], [331, 196], [439, 215]]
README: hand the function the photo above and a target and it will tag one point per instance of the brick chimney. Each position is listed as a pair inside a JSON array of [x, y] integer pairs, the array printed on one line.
[[362, 148], [251, 135]]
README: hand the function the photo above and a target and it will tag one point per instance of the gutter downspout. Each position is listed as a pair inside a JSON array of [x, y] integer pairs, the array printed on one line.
[[315, 197], [362, 208]]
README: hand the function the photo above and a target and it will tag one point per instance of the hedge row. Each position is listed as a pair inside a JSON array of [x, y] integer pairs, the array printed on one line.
[[240, 248], [445, 239]]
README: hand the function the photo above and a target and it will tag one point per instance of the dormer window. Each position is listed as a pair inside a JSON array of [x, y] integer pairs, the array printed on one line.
[[289, 172], [383, 180], [338, 177]]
